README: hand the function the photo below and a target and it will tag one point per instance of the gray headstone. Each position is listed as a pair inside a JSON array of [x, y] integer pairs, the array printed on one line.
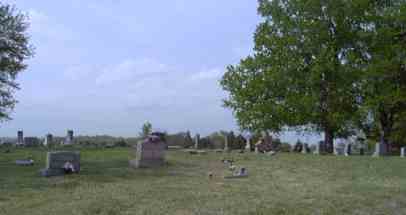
[[20, 137], [56, 161], [403, 152], [69, 138], [48, 139], [380, 149], [226, 147], [197, 141], [149, 153]]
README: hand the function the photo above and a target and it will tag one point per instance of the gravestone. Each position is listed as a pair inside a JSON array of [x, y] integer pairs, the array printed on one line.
[[380, 150], [304, 148], [347, 149], [56, 161], [25, 162], [248, 144], [226, 146], [197, 141], [264, 145], [20, 137], [48, 139], [339, 147], [403, 152], [149, 153], [317, 149], [69, 138]]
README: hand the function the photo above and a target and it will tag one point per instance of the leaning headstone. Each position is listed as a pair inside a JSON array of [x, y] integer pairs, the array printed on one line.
[[149, 153], [57, 160], [403, 152]]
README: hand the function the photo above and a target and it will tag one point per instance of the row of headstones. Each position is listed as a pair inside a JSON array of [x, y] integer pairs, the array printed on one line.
[[226, 142], [347, 151], [48, 139]]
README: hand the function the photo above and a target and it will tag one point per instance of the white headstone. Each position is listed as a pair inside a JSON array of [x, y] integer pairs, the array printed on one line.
[[380, 149], [403, 152], [347, 149], [304, 148], [317, 149], [248, 144], [197, 140]]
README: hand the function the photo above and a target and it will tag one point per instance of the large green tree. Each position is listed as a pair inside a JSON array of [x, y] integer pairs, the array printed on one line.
[[384, 87], [14, 51], [305, 69]]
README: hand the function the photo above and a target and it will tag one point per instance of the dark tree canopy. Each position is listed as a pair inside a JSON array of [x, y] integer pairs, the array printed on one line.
[[15, 49]]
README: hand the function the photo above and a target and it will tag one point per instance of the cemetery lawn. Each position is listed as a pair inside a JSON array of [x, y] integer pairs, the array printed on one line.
[[282, 184]]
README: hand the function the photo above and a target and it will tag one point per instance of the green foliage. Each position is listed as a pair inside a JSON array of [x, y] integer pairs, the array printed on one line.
[[331, 66], [302, 71], [14, 50], [146, 129], [384, 79]]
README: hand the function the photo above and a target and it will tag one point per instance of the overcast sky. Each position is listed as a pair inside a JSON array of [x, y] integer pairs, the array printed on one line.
[[107, 66]]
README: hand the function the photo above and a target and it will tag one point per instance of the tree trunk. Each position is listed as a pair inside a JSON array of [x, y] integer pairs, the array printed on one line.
[[328, 140], [386, 121], [384, 140]]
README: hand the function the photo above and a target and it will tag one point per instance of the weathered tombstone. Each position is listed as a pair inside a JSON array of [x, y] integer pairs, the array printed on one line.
[[380, 150], [403, 152], [149, 153], [20, 137], [69, 138], [339, 147], [317, 149], [248, 144], [25, 162], [197, 141], [48, 139], [347, 149], [241, 173], [57, 160], [304, 148], [226, 146]]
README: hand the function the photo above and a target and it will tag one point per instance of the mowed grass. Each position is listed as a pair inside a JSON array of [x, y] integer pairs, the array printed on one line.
[[282, 184]]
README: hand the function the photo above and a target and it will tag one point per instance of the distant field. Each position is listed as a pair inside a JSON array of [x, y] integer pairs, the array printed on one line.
[[283, 184]]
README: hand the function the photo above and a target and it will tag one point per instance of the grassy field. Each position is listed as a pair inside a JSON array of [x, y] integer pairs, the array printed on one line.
[[282, 184]]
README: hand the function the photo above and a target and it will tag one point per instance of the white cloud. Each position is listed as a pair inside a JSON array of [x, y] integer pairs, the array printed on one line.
[[46, 28], [215, 73], [130, 71]]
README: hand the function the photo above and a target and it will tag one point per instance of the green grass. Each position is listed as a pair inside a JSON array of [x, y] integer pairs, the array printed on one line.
[[283, 184]]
